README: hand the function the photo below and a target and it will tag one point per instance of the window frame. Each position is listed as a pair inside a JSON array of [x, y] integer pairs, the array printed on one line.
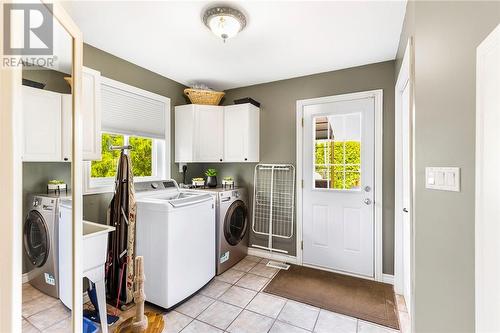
[[341, 165], [95, 185], [328, 166], [91, 186]]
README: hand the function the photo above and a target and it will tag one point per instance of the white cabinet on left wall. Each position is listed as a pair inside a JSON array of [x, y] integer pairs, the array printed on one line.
[[47, 122], [42, 124], [91, 114]]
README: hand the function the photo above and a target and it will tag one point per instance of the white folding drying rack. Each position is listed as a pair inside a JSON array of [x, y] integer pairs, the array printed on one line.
[[274, 203]]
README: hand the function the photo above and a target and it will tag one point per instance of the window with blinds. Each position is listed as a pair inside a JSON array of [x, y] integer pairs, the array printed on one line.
[[130, 115]]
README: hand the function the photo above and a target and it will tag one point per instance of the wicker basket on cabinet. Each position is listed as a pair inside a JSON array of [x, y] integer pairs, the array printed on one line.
[[207, 97]]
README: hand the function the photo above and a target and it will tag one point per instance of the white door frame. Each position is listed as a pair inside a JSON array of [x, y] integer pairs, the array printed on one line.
[[405, 77], [487, 267], [11, 203], [378, 96], [11, 138]]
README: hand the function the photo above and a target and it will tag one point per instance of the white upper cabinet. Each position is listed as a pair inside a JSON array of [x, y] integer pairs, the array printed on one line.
[[241, 133], [206, 133], [209, 133], [41, 125], [199, 133], [91, 114], [47, 122]]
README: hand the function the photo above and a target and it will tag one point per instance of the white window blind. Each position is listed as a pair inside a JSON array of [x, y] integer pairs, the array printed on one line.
[[132, 111]]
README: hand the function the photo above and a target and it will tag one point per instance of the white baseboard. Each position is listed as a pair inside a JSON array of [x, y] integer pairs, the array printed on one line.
[[272, 255], [387, 278]]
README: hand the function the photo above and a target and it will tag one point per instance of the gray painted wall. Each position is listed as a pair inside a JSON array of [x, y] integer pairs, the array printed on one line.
[[446, 36], [277, 131]]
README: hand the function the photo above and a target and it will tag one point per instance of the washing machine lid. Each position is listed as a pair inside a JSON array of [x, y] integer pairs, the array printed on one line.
[[36, 238], [167, 192]]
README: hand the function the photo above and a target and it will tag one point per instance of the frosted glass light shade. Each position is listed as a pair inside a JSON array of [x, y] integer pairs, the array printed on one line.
[[224, 22]]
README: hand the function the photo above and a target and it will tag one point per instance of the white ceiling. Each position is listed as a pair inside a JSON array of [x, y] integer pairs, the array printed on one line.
[[282, 39]]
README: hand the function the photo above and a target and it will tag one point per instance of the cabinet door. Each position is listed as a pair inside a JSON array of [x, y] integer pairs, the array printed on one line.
[[91, 114], [253, 150], [41, 125], [67, 127], [241, 133], [209, 133], [184, 133], [236, 129]]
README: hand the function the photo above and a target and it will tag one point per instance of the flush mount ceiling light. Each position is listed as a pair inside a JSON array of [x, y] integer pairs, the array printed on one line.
[[224, 22]]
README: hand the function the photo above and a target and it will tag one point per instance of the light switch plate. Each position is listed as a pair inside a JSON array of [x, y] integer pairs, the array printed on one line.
[[442, 178]]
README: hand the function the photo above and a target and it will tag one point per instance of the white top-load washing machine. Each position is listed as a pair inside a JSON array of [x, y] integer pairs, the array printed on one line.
[[175, 233]]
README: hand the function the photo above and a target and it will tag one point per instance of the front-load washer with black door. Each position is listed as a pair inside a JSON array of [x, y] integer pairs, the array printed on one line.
[[232, 228], [232, 224], [40, 240]]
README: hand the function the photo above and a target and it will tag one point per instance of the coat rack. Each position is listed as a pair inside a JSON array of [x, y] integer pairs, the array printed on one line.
[[127, 147]]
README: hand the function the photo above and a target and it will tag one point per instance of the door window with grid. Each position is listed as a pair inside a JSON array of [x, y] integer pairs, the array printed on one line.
[[337, 152]]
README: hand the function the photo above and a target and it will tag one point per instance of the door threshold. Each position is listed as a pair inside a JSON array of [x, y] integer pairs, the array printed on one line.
[[322, 268]]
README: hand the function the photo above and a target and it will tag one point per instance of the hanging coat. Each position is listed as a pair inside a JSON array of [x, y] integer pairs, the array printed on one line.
[[121, 244]]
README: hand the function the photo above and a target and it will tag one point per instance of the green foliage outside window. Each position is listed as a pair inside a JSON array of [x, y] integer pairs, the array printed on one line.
[[333, 168], [141, 156], [108, 164]]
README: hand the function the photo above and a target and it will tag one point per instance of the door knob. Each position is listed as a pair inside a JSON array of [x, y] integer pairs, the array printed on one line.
[[367, 201]]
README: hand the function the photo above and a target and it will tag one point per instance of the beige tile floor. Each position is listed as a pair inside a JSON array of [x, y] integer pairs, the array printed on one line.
[[42, 313], [232, 302]]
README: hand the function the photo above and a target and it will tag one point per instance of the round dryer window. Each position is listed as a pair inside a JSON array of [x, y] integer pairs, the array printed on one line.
[[235, 222], [36, 238]]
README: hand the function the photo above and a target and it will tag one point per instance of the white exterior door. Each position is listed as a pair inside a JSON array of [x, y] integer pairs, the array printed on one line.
[[338, 185]]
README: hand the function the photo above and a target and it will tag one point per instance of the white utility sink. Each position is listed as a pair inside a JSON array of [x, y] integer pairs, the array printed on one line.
[[95, 247], [95, 244]]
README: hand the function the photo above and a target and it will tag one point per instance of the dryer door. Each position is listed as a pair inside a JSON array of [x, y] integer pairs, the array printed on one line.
[[235, 222], [36, 238]]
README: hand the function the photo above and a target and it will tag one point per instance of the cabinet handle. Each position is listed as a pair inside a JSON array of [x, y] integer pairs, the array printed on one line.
[[220, 160], [65, 158], [246, 159]]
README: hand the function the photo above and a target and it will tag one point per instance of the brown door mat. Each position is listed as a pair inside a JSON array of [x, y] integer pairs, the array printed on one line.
[[363, 299]]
